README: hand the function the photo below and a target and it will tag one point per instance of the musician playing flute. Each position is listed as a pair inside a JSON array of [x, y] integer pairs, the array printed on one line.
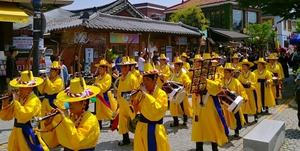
[[277, 73], [234, 121], [184, 107], [79, 130], [249, 82], [105, 104], [152, 103], [127, 83], [24, 106], [208, 124], [264, 89], [165, 70], [51, 86]]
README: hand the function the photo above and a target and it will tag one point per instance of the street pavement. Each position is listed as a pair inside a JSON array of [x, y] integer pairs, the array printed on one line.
[[180, 137]]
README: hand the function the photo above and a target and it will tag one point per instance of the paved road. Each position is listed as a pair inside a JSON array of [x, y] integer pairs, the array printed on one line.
[[179, 138]]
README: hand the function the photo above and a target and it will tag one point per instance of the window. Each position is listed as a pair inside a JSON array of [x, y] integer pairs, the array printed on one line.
[[215, 17], [284, 25], [237, 19], [268, 20], [252, 17], [290, 25]]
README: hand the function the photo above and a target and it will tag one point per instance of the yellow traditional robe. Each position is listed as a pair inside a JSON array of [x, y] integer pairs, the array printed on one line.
[[22, 114], [250, 105], [209, 127], [106, 106], [266, 94], [234, 85], [152, 108], [51, 88], [125, 86], [166, 72], [277, 72], [85, 136], [137, 75], [186, 66], [281, 69], [175, 109]]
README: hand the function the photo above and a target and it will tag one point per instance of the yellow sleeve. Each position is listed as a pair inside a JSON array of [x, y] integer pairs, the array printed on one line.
[[26, 112], [241, 90], [77, 138], [135, 83], [188, 66], [105, 84], [41, 87], [253, 81], [187, 82], [55, 87], [213, 87], [6, 113], [154, 108], [167, 75]]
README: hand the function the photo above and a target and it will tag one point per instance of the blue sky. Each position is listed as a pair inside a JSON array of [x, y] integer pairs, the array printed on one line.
[[80, 4]]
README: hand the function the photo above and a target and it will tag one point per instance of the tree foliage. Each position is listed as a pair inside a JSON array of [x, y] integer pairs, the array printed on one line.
[[191, 15], [297, 27], [262, 35], [288, 9]]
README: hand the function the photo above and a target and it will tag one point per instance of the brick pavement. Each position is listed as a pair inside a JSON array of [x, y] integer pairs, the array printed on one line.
[[179, 138]]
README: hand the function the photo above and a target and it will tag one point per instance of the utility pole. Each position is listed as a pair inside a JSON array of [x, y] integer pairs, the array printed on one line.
[[36, 4]]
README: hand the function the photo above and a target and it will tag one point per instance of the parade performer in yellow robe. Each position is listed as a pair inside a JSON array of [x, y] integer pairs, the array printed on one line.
[[79, 130], [234, 121], [198, 61], [105, 104], [279, 64], [237, 69], [184, 107], [23, 107], [51, 86], [277, 72], [165, 70], [134, 71], [208, 124], [127, 83], [264, 79], [249, 81], [186, 65], [152, 103], [220, 68]]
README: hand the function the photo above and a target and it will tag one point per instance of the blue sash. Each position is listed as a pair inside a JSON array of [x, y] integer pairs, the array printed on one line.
[[262, 89], [105, 96], [90, 149], [29, 135], [277, 86], [51, 99], [151, 132], [238, 120], [255, 98], [219, 110]]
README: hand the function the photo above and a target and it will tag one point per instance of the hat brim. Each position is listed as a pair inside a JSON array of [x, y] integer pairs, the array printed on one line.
[[51, 67], [185, 56], [273, 58], [229, 68], [248, 63], [162, 58], [178, 62], [235, 57], [15, 83], [124, 64], [155, 71], [98, 65], [62, 96], [256, 62]]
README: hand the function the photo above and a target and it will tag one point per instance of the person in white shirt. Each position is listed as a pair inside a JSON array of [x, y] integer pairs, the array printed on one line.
[[141, 61]]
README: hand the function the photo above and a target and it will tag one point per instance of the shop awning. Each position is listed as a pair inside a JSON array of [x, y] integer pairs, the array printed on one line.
[[9, 12], [230, 34]]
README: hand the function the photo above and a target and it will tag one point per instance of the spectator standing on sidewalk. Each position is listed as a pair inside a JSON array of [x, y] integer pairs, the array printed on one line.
[[11, 67], [141, 61], [298, 97], [64, 74]]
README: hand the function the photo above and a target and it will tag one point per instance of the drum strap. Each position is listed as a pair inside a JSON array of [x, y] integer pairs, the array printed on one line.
[[262, 89], [51, 99], [29, 135]]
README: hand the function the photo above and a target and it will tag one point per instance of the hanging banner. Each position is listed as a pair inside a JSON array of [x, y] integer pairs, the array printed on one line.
[[89, 55], [26, 42], [169, 53], [124, 38]]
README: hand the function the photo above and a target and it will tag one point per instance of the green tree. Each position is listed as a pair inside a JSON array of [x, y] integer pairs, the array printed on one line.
[[262, 35], [191, 15], [297, 27], [288, 9]]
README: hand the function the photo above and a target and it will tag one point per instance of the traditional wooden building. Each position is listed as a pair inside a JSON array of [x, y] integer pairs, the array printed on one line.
[[104, 32]]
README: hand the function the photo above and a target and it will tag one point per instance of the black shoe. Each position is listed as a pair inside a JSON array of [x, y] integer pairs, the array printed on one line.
[[123, 143], [173, 125], [184, 124], [255, 118]]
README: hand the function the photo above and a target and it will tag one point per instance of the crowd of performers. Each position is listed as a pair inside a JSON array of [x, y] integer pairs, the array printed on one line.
[[140, 94]]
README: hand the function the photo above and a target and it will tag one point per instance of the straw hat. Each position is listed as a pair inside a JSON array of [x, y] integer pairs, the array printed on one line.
[[260, 60], [215, 55], [272, 56], [26, 80], [206, 56], [132, 60], [55, 65], [184, 55], [235, 56], [148, 69], [76, 92], [162, 56], [245, 61], [177, 60], [103, 62], [228, 66], [125, 61], [197, 58]]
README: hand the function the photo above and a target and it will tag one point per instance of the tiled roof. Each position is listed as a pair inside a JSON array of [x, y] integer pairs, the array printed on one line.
[[229, 33], [111, 8], [195, 2], [120, 23]]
